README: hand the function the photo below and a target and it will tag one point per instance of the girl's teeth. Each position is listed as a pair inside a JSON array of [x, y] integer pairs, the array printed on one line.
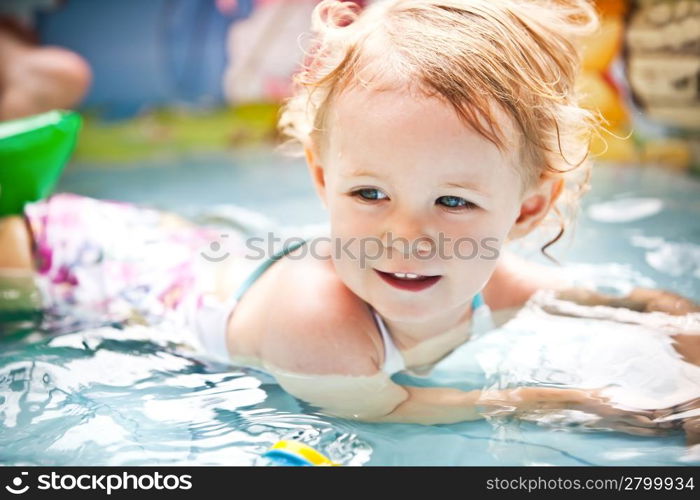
[[409, 276]]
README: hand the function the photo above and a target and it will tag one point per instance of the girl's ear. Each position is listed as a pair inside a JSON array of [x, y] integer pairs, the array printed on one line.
[[536, 205], [318, 175]]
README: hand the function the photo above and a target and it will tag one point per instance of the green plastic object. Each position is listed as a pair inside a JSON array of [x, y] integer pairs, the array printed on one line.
[[33, 152]]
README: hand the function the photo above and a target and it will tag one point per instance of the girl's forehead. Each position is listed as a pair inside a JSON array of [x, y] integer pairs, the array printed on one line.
[[384, 127]]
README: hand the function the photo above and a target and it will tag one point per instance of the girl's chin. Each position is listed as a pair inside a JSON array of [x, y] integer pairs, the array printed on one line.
[[399, 311]]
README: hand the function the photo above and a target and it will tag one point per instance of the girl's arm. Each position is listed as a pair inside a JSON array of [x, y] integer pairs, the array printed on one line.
[[515, 280], [377, 399], [331, 358], [440, 405], [639, 299]]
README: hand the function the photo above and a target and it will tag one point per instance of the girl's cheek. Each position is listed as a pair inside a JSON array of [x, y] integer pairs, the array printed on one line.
[[480, 229], [473, 251], [355, 243], [348, 222]]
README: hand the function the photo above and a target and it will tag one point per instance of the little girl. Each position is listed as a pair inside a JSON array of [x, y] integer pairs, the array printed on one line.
[[435, 131]]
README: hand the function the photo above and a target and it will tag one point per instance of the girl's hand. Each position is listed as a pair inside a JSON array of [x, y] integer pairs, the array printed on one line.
[[663, 301], [538, 399], [687, 344], [685, 416], [639, 299], [691, 426]]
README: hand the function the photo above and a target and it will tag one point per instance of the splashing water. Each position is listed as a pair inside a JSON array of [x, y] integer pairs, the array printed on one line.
[[85, 392], [126, 397]]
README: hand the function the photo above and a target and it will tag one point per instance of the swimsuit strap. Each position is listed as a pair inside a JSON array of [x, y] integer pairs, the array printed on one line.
[[263, 267], [482, 319], [478, 301], [211, 317], [393, 359]]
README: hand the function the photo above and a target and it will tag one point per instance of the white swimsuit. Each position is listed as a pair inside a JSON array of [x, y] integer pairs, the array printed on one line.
[[393, 359], [210, 319]]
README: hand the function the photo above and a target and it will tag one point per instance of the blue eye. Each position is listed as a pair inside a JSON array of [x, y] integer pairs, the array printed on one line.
[[455, 202], [368, 194]]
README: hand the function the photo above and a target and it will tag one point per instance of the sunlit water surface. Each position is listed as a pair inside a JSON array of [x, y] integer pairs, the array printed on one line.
[[141, 395]]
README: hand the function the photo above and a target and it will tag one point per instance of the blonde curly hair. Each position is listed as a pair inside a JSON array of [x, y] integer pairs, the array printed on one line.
[[483, 57]]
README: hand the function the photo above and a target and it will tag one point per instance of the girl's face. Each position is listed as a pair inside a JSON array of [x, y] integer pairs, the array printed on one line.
[[411, 189]]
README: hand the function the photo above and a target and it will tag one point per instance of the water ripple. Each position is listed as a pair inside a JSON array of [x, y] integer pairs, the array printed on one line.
[[109, 396]]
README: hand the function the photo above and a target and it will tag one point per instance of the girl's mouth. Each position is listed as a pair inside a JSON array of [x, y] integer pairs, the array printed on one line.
[[407, 281]]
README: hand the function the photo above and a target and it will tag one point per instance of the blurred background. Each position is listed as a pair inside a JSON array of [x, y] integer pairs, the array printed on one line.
[[180, 97]]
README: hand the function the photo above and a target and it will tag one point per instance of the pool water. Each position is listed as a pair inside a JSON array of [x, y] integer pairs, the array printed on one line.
[[117, 395]]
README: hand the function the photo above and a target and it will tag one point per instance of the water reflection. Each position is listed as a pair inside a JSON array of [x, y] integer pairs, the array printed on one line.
[[135, 395], [111, 396]]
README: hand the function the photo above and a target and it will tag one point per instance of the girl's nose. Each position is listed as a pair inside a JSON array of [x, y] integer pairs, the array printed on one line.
[[408, 235]]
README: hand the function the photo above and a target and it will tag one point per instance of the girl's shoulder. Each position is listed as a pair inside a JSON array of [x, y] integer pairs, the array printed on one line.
[[315, 323], [515, 280]]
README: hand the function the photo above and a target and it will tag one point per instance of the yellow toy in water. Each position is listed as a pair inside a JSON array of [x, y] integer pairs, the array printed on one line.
[[33, 152], [292, 453]]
